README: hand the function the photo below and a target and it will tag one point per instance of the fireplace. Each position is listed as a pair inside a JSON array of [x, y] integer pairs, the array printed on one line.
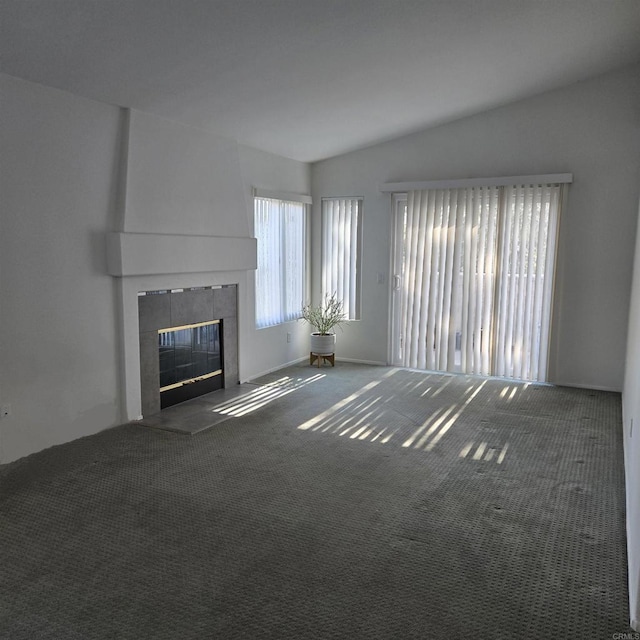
[[190, 361], [188, 344]]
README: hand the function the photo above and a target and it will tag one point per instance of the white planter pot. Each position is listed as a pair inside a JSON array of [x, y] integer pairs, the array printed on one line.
[[323, 345]]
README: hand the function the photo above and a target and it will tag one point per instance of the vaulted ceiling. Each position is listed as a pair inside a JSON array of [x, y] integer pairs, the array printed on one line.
[[309, 79]]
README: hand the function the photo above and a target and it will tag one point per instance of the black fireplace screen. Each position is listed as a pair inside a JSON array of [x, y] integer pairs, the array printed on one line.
[[189, 353]]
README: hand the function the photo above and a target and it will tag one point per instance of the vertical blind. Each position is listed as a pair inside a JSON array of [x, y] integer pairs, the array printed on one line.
[[477, 276], [341, 252], [527, 262], [279, 227], [448, 279]]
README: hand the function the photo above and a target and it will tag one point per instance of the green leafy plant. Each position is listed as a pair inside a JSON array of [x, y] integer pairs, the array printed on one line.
[[324, 317]]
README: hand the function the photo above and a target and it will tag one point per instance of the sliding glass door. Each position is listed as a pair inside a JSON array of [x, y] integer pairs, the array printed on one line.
[[473, 279]]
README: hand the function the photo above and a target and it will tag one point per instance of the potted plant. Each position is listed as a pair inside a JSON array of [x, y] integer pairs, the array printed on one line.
[[324, 318]]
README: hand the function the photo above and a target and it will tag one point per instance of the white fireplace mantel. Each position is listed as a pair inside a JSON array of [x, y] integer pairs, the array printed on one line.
[[142, 254], [149, 261]]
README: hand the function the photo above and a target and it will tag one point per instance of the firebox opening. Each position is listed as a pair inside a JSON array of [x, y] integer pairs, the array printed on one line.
[[190, 358]]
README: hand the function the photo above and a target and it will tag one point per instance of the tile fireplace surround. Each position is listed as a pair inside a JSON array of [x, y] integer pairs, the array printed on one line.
[[171, 308]]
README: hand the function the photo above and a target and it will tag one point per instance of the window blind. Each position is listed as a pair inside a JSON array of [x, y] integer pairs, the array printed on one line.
[[341, 252], [279, 227], [523, 318], [477, 279], [448, 280]]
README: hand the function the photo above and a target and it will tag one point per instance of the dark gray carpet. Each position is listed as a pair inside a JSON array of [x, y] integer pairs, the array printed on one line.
[[346, 502]]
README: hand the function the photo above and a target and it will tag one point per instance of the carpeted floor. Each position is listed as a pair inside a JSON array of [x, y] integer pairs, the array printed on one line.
[[348, 502]]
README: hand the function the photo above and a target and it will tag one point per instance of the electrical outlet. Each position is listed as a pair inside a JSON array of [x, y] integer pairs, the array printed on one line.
[[5, 410], [288, 337]]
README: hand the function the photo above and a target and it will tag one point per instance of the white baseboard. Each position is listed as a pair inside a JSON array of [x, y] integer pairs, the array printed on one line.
[[291, 363], [576, 385], [280, 366], [356, 361]]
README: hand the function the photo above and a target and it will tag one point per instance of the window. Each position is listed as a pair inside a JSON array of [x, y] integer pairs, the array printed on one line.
[[342, 252], [280, 228], [474, 279]]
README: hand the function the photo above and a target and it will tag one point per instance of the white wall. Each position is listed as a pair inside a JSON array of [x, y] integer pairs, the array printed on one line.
[[179, 184], [267, 349], [631, 423], [62, 162], [58, 341], [73, 170], [589, 129], [182, 180], [185, 181]]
